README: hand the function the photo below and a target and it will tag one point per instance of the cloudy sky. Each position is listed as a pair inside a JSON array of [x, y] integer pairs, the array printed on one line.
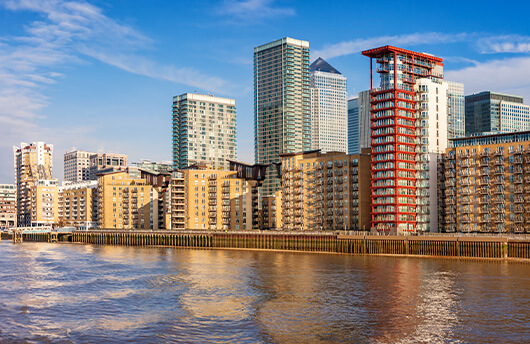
[[99, 75]]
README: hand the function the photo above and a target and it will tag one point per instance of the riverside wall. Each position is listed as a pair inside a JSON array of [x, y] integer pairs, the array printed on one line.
[[491, 247]]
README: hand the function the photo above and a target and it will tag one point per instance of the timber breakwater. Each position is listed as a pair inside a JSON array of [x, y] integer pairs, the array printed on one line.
[[332, 242]]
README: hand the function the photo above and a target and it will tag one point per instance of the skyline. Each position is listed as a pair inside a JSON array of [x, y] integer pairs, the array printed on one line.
[[100, 75]]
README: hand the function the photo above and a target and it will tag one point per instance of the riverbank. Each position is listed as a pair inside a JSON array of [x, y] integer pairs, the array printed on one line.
[[490, 247]]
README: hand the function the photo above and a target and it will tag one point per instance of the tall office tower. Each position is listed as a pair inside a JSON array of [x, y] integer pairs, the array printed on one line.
[[282, 105], [8, 206], [491, 112], [364, 120], [77, 166], [106, 162], [353, 126], [456, 116], [204, 130], [329, 108], [396, 133], [359, 123], [32, 162]]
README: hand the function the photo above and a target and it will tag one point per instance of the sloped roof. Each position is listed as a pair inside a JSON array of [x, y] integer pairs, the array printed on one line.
[[322, 66]]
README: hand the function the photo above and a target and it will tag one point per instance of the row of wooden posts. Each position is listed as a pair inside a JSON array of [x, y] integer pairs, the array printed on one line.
[[474, 247]]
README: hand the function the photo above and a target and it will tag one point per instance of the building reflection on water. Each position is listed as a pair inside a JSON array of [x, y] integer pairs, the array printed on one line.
[[85, 293]]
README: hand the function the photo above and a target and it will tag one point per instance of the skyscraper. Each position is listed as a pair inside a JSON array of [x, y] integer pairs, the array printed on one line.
[[397, 135], [496, 113], [431, 143], [282, 108], [204, 130], [359, 123], [37, 201], [329, 109], [353, 126], [456, 109], [76, 166], [364, 120]]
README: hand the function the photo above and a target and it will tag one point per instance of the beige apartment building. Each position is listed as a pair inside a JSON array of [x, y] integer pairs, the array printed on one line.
[[78, 205], [325, 191], [33, 162], [44, 202], [271, 211], [125, 203], [487, 184], [211, 200]]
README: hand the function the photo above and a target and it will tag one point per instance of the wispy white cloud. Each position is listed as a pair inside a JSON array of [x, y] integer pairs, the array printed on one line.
[[498, 75], [504, 44], [250, 11], [66, 33], [460, 59], [143, 66], [358, 45]]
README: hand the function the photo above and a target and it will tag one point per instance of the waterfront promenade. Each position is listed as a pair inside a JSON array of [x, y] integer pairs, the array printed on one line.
[[442, 245]]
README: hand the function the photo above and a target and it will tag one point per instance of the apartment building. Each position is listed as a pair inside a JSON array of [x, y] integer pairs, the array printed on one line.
[[106, 162], [161, 181], [487, 184], [44, 202], [398, 133], [8, 206], [204, 130], [211, 200], [271, 211], [124, 202], [325, 191], [78, 205], [32, 162], [77, 166]]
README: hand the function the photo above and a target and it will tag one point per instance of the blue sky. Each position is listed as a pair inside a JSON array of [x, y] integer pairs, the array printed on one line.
[[100, 75]]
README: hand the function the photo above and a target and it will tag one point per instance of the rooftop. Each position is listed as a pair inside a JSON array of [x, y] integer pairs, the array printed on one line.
[[377, 52], [321, 65]]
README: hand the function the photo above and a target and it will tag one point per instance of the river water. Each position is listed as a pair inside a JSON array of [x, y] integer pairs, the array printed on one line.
[[69, 293]]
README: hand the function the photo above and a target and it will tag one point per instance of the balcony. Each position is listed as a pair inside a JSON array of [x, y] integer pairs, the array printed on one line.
[[465, 200], [484, 191]]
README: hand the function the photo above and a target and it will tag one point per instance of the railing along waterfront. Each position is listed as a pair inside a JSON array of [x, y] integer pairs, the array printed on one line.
[[494, 247]]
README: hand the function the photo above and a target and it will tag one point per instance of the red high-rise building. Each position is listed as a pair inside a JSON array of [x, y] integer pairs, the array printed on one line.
[[394, 134]]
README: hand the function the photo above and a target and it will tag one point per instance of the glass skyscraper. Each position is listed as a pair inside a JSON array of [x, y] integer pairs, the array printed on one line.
[[456, 109], [204, 130], [353, 126], [496, 113], [282, 108], [329, 112]]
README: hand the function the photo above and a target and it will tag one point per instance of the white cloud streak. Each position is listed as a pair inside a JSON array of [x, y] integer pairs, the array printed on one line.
[[67, 33], [504, 44], [358, 45], [500, 75], [250, 11]]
